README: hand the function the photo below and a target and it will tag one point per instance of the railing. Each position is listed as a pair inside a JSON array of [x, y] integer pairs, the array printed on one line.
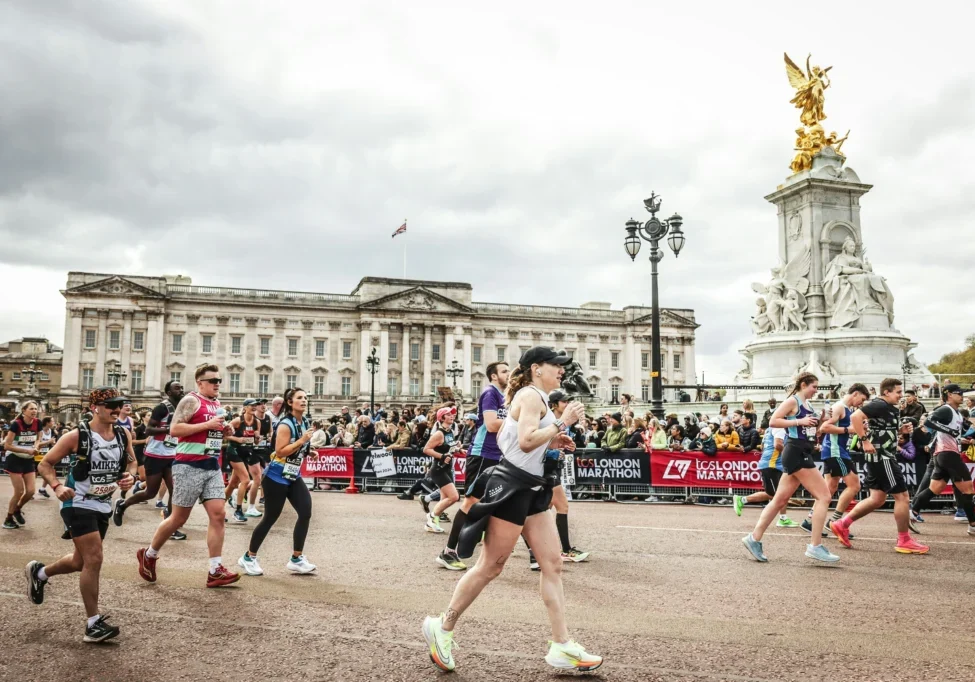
[[260, 294], [549, 311]]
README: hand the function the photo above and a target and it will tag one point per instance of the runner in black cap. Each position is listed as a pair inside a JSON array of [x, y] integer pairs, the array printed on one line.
[[517, 499], [245, 461], [948, 425]]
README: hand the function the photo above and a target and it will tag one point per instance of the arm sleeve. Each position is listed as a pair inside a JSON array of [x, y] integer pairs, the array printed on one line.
[[940, 419]]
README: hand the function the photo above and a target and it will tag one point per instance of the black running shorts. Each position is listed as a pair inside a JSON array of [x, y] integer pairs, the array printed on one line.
[[237, 456], [950, 466], [18, 465], [84, 521], [156, 466], [476, 474], [796, 455], [253, 458], [885, 475], [838, 467], [770, 481], [442, 475], [523, 504]]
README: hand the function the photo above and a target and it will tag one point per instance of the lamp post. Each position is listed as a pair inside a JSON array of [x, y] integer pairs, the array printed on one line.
[[906, 368], [454, 371], [653, 230], [373, 365], [115, 375]]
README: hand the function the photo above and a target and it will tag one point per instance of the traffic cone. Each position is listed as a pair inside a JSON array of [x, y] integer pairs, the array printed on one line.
[[352, 489]]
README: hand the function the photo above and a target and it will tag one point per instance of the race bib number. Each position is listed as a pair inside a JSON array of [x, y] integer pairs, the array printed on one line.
[[291, 471], [247, 441], [810, 433], [502, 413], [263, 442], [102, 491], [170, 441]]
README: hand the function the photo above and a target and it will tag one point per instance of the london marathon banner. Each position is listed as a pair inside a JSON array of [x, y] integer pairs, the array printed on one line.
[[373, 463], [595, 466]]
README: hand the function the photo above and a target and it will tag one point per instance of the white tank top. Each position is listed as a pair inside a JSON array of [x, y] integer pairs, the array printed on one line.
[[533, 462]]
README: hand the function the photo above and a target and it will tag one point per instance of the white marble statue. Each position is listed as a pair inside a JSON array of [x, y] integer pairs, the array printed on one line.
[[852, 288], [783, 305]]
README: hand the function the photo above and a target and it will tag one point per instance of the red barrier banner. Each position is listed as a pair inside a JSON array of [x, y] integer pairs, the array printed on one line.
[[697, 470], [328, 463]]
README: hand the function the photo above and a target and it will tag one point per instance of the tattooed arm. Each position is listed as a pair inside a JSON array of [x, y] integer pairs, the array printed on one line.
[[180, 426]]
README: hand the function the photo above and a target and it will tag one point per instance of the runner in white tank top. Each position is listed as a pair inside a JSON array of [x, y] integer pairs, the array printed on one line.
[[519, 504]]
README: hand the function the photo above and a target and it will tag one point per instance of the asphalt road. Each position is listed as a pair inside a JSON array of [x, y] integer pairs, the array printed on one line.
[[669, 594]]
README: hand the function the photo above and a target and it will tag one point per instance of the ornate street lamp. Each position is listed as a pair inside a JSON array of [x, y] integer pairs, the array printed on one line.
[[115, 375], [653, 230], [373, 365], [454, 371]]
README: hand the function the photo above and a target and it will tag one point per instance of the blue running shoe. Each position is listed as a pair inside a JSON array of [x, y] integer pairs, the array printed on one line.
[[755, 547], [820, 553], [960, 516], [917, 517]]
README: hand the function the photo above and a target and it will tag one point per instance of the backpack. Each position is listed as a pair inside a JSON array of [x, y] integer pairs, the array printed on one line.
[[81, 465]]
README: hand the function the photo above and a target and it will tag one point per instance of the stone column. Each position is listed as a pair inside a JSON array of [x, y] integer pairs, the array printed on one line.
[[191, 342], [154, 352], [448, 342], [631, 383], [468, 362], [404, 361], [71, 365], [427, 359], [364, 350], [127, 346], [102, 346], [382, 378]]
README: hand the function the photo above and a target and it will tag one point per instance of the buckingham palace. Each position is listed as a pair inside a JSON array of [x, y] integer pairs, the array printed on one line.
[[149, 330]]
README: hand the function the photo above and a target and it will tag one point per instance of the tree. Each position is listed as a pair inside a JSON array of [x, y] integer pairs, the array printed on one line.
[[959, 362]]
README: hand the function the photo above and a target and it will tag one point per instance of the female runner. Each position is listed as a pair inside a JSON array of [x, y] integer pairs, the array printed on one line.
[[21, 445]]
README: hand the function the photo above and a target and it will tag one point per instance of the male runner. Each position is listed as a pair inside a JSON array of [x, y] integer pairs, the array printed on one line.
[[876, 424], [482, 455], [104, 461], [158, 456], [837, 464], [198, 423], [948, 425], [770, 465]]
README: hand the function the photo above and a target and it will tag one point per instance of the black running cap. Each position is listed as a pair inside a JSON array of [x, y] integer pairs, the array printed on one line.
[[558, 396], [543, 355], [953, 388]]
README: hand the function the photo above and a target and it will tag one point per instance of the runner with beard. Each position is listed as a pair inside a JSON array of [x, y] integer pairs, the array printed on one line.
[[198, 423], [482, 455], [876, 424], [103, 462], [948, 426], [158, 457], [21, 445]]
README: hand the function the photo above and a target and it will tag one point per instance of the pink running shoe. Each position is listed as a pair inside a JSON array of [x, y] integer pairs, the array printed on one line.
[[842, 533], [910, 546]]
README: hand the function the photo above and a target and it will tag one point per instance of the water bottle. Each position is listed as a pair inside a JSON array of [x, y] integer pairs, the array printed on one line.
[[220, 413]]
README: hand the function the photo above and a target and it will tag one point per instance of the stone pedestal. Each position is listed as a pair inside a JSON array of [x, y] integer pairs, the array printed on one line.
[[824, 310]]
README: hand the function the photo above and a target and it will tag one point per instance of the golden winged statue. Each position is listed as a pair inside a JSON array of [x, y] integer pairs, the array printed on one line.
[[810, 90]]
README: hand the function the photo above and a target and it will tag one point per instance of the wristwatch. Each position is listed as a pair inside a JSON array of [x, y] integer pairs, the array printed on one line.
[[559, 424]]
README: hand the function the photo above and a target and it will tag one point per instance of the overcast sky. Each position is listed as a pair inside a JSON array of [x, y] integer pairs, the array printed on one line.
[[201, 137]]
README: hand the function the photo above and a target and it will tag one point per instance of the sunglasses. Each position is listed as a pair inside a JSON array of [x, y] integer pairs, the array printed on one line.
[[215, 381], [112, 404]]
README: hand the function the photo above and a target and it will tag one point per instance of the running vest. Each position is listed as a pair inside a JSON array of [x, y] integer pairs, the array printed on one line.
[[287, 470], [946, 442], [163, 444], [202, 449], [250, 435], [772, 458], [42, 437], [802, 433], [533, 462], [837, 445], [449, 437], [265, 436], [96, 469], [25, 436], [125, 423]]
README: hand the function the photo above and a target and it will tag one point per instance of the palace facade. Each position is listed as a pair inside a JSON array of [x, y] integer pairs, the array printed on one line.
[[154, 329]]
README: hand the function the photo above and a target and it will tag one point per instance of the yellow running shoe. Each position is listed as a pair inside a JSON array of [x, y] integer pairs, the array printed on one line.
[[440, 641], [571, 656]]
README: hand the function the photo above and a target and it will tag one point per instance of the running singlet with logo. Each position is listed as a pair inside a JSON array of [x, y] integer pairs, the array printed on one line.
[[162, 445], [249, 434], [949, 417], [883, 422], [25, 436], [202, 449], [837, 445], [43, 437], [286, 470], [772, 458], [104, 467], [806, 433], [125, 423], [485, 443], [449, 437]]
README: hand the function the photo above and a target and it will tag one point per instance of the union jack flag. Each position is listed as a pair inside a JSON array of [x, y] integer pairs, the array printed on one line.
[[401, 229]]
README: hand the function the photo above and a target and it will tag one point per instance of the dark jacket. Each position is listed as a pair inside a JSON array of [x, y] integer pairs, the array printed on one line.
[[635, 439], [748, 438], [915, 411], [366, 435]]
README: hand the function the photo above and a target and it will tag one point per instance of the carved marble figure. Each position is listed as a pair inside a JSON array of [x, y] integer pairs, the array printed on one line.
[[852, 288]]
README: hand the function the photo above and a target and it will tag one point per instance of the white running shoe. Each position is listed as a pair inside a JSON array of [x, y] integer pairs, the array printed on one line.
[[441, 643], [571, 656], [302, 565], [252, 511], [433, 525], [250, 565]]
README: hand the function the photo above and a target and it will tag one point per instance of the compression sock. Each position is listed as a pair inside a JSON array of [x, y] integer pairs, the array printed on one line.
[[922, 499], [837, 515], [455, 528], [562, 524], [969, 507]]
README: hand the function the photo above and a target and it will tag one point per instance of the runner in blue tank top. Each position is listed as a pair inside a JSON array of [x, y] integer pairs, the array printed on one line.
[[799, 420], [837, 464]]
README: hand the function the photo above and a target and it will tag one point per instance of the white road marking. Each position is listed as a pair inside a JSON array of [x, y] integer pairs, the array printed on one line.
[[792, 535]]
